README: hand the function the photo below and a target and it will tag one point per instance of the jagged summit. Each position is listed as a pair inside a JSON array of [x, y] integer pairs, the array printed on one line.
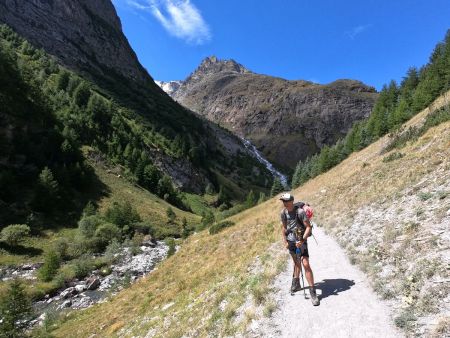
[[214, 65]]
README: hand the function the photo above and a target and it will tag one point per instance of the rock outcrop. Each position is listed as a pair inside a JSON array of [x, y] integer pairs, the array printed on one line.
[[83, 35], [279, 116]]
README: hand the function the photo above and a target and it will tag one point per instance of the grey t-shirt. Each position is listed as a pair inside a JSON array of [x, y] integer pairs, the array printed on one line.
[[293, 219]]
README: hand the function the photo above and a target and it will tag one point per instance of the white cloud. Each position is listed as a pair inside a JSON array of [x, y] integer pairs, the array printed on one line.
[[357, 30], [180, 18]]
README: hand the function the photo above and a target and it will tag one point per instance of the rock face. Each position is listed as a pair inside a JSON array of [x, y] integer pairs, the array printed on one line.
[[279, 116], [169, 87], [84, 35]]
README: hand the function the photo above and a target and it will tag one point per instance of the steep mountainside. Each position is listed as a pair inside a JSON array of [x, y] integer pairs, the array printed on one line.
[[86, 37], [278, 116]]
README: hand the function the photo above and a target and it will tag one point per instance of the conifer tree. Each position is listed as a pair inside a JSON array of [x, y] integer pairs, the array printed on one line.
[[277, 187], [15, 310]]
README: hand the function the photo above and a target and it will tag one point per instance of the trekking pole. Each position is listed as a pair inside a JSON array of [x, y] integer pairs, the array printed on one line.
[[298, 253], [303, 281]]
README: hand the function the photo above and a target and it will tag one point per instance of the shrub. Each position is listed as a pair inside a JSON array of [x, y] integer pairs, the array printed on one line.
[[185, 230], [122, 214], [425, 196], [405, 320], [51, 265], [89, 209], [207, 219], [170, 215], [170, 242], [112, 249], [82, 266], [217, 227], [392, 157], [143, 228], [61, 246], [107, 232], [87, 226], [15, 233]]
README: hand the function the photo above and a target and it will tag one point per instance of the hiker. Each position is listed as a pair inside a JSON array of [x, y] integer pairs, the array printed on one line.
[[295, 229]]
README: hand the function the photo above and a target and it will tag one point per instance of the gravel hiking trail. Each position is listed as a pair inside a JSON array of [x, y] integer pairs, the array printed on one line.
[[348, 305]]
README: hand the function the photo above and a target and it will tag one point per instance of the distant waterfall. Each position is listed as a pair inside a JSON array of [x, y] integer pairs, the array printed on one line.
[[266, 163]]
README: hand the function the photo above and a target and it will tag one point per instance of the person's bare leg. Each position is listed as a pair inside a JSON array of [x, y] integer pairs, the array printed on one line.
[[310, 278], [308, 271], [296, 266]]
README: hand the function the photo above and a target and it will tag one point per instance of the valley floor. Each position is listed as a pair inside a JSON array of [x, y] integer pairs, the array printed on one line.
[[349, 307]]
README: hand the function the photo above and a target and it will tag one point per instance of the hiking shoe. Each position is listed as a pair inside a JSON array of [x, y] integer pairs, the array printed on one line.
[[314, 299], [295, 285]]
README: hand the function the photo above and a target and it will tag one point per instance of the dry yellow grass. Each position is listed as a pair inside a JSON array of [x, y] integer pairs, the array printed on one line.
[[183, 296]]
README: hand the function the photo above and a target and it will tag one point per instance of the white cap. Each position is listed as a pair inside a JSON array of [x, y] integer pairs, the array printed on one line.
[[286, 197]]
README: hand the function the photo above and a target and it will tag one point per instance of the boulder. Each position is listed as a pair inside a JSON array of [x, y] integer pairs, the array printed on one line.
[[92, 282]]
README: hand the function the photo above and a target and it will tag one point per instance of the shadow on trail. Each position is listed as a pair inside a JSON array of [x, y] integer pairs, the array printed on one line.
[[332, 287]]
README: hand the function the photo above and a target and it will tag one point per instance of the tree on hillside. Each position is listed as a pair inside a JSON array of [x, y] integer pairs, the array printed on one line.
[[262, 198], [15, 311], [170, 215], [82, 94], [250, 200], [222, 197], [185, 230], [47, 191], [277, 187]]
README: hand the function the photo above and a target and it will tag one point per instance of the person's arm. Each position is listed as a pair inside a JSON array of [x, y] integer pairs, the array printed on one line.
[[308, 229], [283, 231]]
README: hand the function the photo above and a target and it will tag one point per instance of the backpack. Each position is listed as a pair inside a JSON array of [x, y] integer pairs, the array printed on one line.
[[308, 211], [306, 208]]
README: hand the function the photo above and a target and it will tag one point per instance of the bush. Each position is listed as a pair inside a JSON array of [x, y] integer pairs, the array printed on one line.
[[82, 266], [87, 226], [15, 311], [112, 249], [61, 246], [207, 219], [143, 228], [406, 319], [107, 232], [217, 227], [89, 209], [392, 157], [122, 214], [425, 196], [51, 265], [15, 233], [170, 242], [170, 215]]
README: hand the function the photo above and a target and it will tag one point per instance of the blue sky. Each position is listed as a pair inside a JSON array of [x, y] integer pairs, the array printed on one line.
[[316, 40]]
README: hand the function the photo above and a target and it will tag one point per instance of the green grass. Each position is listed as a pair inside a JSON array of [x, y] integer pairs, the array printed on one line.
[[150, 207], [198, 204], [32, 249]]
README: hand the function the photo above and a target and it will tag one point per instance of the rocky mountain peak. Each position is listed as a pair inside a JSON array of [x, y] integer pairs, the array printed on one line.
[[213, 65]]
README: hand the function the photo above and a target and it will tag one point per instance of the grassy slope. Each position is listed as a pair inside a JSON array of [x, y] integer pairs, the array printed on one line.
[[183, 295], [151, 208]]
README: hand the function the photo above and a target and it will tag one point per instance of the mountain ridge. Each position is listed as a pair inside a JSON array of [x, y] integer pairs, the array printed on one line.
[[86, 37], [277, 115]]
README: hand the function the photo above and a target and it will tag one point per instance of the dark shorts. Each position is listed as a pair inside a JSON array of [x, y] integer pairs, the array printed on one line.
[[304, 249]]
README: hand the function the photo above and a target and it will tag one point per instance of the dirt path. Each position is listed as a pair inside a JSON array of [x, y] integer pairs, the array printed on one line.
[[349, 307]]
